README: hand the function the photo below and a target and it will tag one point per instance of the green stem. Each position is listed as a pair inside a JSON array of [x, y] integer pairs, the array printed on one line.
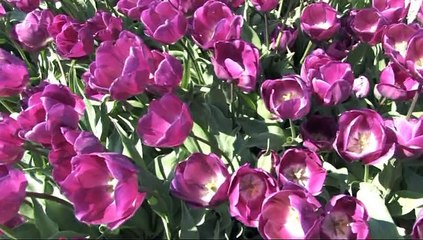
[[366, 173], [6, 105], [196, 66], [309, 46], [49, 198], [279, 12], [293, 134], [266, 30], [7, 231], [414, 102]]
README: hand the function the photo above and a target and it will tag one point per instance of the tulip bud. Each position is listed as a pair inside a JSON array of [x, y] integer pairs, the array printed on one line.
[[13, 74], [167, 123], [265, 5], [201, 180], [320, 21], [25, 5], [11, 145], [188, 7], [318, 132], [103, 188], [13, 184], [409, 136], [247, 190], [287, 37], [237, 61], [32, 33], [287, 98], [361, 87], [312, 64]]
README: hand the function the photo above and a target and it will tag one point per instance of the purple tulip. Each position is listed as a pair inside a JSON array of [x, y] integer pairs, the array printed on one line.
[[188, 6], [163, 22], [409, 136], [288, 214], [247, 190], [414, 56], [312, 64], [237, 61], [287, 98], [395, 41], [265, 5], [103, 188], [235, 3], [363, 136], [2, 10], [368, 25], [32, 33], [201, 180], [301, 167], [345, 218], [13, 184], [417, 232], [11, 145], [13, 74], [361, 87], [167, 123], [133, 8], [320, 21], [48, 111], [57, 24], [339, 49], [396, 84], [318, 132], [393, 10], [105, 26], [67, 144], [25, 5], [213, 22], [288, 36], [420, 14], [333, 84]]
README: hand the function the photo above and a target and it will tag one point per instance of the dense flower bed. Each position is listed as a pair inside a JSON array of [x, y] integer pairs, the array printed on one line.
[[168, 119]]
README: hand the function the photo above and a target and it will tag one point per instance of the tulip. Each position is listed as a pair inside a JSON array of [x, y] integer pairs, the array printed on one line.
[[339, 49], [395, 41], [214, 22], [265, 5], [133, 8], [363, 136], [320, 21], [163, 22], [287, 39], [2, 10], [188, 6], [333, 84], [312, 64], [301, 167], [13, 74], [105, 26], [345, 218], [67, 144], [247, 190], [57, 24], [420, 14], [368, 24], [237, 61], [414, 56], [32, 33], [409, 136], [393, 10], [48, 111], [396, 84], [287, 98], [318, 132], [288, 214], [235, 3], [25, 5], [361, 87], [167, 123], [201, 180], [417, 232], [103, 188], [13, 184], [11, 145]]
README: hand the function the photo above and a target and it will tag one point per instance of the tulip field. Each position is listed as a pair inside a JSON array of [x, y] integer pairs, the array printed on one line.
[[211, 119]]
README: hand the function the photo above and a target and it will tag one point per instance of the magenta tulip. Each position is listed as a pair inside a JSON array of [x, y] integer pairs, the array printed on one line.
[[11, 145], [13, 184], [318, 132], [167, 123], [214, 22], [105, 26], [320, 21], [368, 25], [13, 74], [288, 214], [287, 98], [2, 10], [339, 49], [393, 10], [103, 188], [163, 22], [409, 136], [237, 61], [312, 64], [201, 180], [247, 190], [395, 41], [133, 8], [188, 6], [417, 232], [363, 136], [25, 5], [265, 5], [287, 37], [414, 56], [32, 33]]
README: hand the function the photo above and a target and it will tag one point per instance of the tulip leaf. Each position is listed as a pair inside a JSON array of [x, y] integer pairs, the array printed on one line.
[[64, 217], [403, 202], [45, 225], [24, 231], [188, 227], [381, 223], [68, 235], [249, 35], [265, 162]]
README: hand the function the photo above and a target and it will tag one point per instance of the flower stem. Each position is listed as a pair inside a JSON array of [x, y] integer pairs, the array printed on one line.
[[6, 106], [266, 29], [414, 102], [291, 126], [309, 46], [196, 66], [279, 9], [366, 173], [49, 197]]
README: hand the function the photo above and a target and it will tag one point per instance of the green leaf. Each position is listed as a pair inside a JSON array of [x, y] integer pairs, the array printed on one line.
[[64, 217], [44, 224], [24, 231], [68, 235], [404, 202], [265, 162], [249, 35], [188, 227]]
